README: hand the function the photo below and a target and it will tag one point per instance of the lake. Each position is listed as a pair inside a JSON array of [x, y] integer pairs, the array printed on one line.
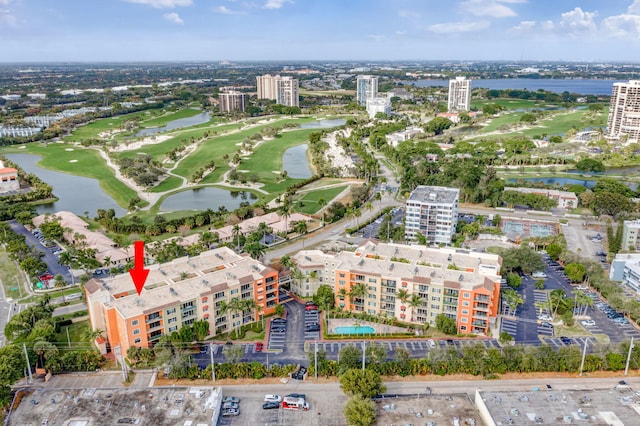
[[295, 162], [324, 124], [580, 86], [206, 198], [177, 124], [76, 194]]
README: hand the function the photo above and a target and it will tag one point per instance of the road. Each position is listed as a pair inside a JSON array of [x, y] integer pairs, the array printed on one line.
[[69, 309]]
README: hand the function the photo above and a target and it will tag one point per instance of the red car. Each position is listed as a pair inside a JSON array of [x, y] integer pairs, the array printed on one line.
[[46, 277], [259, 347], [311, 308]]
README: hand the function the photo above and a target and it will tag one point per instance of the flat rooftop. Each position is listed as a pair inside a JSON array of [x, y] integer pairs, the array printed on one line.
[[434, 194], [419, 410], [188, 406], [616, 407]]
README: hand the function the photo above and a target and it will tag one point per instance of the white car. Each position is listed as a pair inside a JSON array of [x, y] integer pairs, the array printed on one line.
[[588, 323], [545, 318], [539, 275], [432, 343], [583, 287], [272, 398]]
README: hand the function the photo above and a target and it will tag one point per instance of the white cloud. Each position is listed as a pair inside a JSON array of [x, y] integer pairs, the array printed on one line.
[[491, 8], [163, 4], [578, 21], [275, 4], [224, 10], [7, 18], [524, 26], [634, 8], [409, 14], [459, 27], [173, 17], [5, 2], [626, 24]]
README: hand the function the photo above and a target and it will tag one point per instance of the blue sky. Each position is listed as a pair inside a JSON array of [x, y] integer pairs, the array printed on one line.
[[211, 30]]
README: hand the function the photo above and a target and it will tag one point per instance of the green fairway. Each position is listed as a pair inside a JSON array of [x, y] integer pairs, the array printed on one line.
[[168, 184], [309, 200], [91, 130], [508, 103], [80, 161], [162, 120]]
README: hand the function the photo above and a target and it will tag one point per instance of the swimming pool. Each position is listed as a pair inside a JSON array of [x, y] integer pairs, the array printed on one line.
[[352, 329]]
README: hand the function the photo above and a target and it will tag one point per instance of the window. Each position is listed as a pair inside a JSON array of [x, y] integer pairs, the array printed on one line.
[[134, 322], [172, 329], [372, 280], [172, 320], [341, 275], [205, 299], [136, 331], [463, 327], [234, 291], [171, 311], [136, 340], [463, 319], [341, 282], [465, 303], [466, 295], [219, 295], [435, 298]]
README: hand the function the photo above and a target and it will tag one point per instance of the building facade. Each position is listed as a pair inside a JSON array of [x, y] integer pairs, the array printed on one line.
[[630, 232], [624, 114], [8, 179], [232, 101], [178, 293], [378, 104], [433, 212], [412, 283], [366, 88], [459, 95], [283, 90]]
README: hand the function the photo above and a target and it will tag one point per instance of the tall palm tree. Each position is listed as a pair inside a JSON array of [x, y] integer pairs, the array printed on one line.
[[322, 203], [583, 302], [358, 291], [414, 302], [556, 298], [285, 211], [255, 249], [511, 299], [236, 235], [402, 295]]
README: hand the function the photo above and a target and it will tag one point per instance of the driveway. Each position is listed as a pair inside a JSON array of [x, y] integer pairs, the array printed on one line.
[[53, 266]]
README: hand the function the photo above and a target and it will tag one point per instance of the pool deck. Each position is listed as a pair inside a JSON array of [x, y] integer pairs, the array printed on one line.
[[380, 329]]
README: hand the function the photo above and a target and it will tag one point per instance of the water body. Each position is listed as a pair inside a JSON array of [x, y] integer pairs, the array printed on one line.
[[206, 198], [294, 161], [351, 329], [580, 86], [324, 124], [76, 194], [177, 124]]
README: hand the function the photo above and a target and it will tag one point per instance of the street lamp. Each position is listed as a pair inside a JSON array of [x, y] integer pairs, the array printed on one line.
[[19, 286]]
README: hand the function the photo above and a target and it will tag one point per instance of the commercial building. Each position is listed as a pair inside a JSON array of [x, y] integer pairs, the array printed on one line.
[[378, 104], [283, 90], [565, 199], [232, 101], [178, 293], [411, 283], [623, 124], [630, 232], [459, 94], [366, 88], [617, 405], [625, 268], [8, 179], [433, 212]]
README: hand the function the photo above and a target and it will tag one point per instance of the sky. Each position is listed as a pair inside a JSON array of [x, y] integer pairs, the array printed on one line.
[[292, 30]]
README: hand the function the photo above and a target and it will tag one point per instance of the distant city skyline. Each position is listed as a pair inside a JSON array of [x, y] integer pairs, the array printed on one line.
[[297, 30]]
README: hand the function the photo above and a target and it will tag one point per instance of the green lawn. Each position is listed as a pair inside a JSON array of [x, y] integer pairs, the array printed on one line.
[[10, 275], [76, 335], [162, 120], [91, 130], [310, 199], [86, 162], [508, 103], [557, 123], [168, 184]]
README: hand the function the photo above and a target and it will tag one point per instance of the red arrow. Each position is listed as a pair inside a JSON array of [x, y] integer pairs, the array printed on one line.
[[138, 273]]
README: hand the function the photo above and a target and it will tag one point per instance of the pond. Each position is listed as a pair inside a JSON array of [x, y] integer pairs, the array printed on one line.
[[295, 162], [324, 124], [177, 124], [206, 198], [76, 194]]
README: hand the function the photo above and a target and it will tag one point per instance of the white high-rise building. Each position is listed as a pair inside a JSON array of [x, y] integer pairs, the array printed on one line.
[[459, 95], [624, 115], [367, 88], [267, 86], [433, 212], [378, 104], [231, 101], [287, 91]]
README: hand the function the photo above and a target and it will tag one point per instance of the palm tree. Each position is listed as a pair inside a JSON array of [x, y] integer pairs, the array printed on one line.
[[402, 295], [255, 249], [322, 203], [583, 302], [414, 302], [45, 351], [236, 234], [300, 227], [250, 305], [358, 291], [556, 298], [285, 211], [511, 300]]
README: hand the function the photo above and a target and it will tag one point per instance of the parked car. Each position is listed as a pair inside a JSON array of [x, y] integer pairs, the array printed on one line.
[[309, 303], [271, 405], [539, 274], [279, 321], [432, 343], [272, 398], [259, 346], [545, 318], [546, 325], [311, 308], [229, 405], [588, 323], [565, 340], [583, 287], [312, 327], [230, 412], [231, 399], [278, 330], [296, 395]]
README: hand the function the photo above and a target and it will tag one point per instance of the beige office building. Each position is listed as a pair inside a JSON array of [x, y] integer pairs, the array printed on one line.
[[459, 95], [232, 101], [624, 115], [266, 85]]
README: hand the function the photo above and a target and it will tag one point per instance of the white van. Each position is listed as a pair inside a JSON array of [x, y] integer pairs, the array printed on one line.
[[272, 398]]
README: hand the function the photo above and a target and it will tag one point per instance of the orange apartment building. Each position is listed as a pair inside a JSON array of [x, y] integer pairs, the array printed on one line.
[[179, 293], [461, 284]]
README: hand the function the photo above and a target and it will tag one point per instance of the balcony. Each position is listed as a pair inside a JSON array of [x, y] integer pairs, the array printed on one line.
[[481, 306], [450, 302], [480, 314], [481, 298], [153, 325], [479, 323]]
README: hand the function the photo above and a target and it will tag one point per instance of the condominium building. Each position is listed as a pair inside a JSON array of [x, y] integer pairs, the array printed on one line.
[[459, 94], [178, 293], [625, 268], [287, 91], [412, 283], [366, 88], [378, 104], [565, 199], [283, 90], [433, 212], [8, 179], [624, 114], [630, 233], [232, 101]]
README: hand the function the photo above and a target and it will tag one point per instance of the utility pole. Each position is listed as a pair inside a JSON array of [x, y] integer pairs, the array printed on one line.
[[26, 355], [315, 368], [68, 339], [364, 346], [584, 354], [213, 365], [626, 367]]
